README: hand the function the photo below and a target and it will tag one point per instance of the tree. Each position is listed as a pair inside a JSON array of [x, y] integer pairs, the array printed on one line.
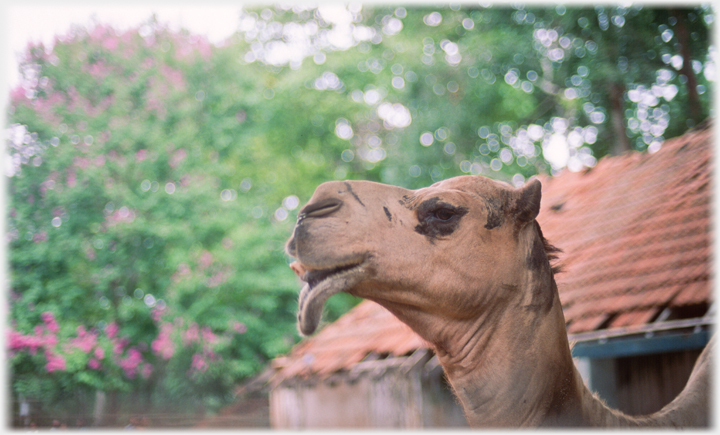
[[141, 201]]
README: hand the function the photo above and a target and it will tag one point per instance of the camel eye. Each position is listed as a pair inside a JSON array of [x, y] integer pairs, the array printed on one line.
[[444, 214], [438, 219]]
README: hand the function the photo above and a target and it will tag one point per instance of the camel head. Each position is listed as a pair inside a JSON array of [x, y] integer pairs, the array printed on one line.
[[464, 264], [432, 256]]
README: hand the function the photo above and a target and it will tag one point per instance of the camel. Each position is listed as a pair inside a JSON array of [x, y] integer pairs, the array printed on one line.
[[465, 265]]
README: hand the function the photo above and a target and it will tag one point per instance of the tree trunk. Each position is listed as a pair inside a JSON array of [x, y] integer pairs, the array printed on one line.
[[106, 409], [617, 120], [99, 409], [687, 70]]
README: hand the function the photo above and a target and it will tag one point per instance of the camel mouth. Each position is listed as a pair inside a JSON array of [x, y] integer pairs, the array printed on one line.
[[314, 277], [320, 285]]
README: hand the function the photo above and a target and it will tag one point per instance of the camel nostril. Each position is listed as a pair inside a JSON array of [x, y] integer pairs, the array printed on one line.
[[320, 209]]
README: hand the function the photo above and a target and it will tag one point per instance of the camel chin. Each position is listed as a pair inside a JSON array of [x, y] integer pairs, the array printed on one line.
[[319, 287]]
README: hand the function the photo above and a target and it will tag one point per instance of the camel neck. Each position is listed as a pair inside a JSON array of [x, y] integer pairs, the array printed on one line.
[[498, 389]]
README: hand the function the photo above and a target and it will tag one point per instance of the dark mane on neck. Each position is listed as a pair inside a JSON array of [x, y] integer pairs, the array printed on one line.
[[552, 252]]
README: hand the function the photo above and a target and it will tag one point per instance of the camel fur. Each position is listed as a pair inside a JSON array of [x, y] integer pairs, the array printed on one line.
[[465, 265]]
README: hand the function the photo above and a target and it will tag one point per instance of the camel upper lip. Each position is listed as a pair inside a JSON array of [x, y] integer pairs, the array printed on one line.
[[314, 277]]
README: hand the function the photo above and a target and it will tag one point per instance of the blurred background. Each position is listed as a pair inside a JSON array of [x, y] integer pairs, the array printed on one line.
[[155, 161]]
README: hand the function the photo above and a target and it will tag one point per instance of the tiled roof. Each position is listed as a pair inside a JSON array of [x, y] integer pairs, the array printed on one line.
[[635, 235], [635, 231]]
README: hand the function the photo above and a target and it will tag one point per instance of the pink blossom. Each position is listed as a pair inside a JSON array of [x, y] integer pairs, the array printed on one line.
[[71, 178], [17, 94], [192, 334], [94, 364], [130, 363], [106, 36], [146, 370], [85, 341], [127, 37], [177, 158], [110, 43], [40, 237], [99, 353], [210, 354], [148, 63], [127, 54], [208, 336], [81, 162], [111, 329], [206, 259], [54, 362], [157, 313], [45, 107], [182, 270], [49, 340], [50, 322], [203, 47], [98, 70], [98, 32], [120, 216], [163, 345], [75, 100], [15, 340], [140, 155], [116, 158], [18, 341], [119, 345], [185, 180], [238, 327], [198, 363], [100, 107], [173, 76], [218, 278]]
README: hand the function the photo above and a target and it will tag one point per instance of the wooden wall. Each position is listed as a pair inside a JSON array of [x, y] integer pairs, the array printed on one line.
[[641, 384], [647, 383], [394, 399]]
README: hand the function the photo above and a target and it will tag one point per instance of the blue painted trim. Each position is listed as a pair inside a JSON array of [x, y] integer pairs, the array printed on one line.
[[641, 345]]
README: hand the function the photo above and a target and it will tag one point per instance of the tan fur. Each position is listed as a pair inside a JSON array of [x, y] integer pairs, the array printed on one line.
[[477, 285]]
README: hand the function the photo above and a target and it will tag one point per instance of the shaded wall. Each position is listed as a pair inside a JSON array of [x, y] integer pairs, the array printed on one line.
[[391, 399], [642, 384]]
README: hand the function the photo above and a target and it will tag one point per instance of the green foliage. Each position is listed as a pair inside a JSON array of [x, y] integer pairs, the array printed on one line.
[[155, 178]]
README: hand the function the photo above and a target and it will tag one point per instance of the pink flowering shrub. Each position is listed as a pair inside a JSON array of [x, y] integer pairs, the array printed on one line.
[[118, 152], [85, 348], [189, 341]]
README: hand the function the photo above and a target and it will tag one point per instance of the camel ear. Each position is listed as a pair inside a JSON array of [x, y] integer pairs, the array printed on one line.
[[527, 205]]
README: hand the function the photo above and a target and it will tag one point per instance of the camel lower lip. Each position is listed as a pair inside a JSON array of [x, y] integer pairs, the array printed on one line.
[[321, 285]]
